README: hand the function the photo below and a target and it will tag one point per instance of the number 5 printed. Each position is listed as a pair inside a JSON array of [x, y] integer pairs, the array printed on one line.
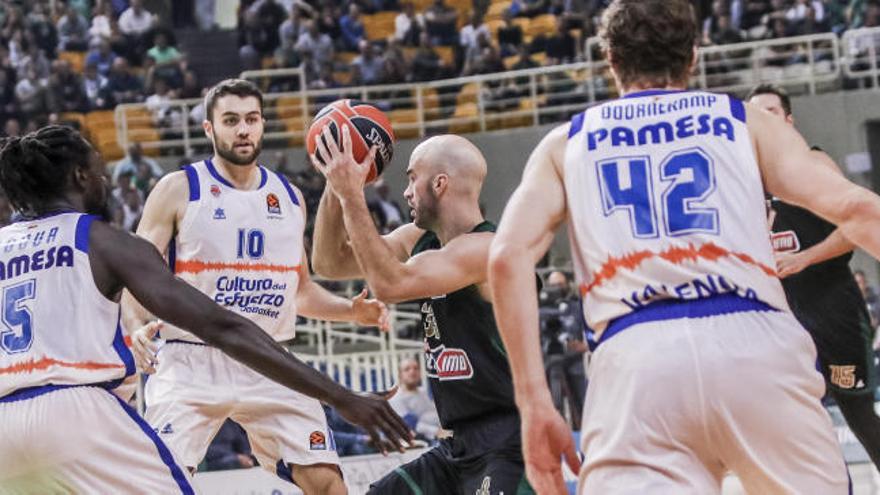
[[16, 314], [691, 177]]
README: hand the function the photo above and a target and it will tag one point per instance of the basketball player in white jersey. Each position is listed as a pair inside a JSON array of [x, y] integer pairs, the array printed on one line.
[[234, 230], [61, 346], [699, 368]]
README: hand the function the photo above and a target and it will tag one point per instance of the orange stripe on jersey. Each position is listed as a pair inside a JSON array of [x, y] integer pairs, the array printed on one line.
[[45, 363], [196, 266], [676, 255]]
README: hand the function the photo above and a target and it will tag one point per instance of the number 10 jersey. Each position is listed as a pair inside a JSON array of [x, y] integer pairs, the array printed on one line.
[[665, 201]]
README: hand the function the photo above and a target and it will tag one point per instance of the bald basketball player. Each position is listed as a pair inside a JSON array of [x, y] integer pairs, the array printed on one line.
[[439, 260]]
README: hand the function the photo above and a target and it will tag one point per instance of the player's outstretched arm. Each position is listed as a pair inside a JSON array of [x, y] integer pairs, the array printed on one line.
[[794, 173], [123, 260], [530, 219], [156, 226]]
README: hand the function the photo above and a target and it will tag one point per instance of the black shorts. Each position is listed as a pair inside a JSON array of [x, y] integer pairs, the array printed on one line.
[[484, 458], [837, 318]]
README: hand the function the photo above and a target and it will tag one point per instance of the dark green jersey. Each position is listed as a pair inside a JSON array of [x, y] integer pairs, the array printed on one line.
[[466, 361]]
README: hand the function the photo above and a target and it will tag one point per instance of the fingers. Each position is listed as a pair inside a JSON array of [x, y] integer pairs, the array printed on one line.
[[370, 158], [388, 394], [144, 349], [332, 148], [395, 430], [346, 140], [385, 320], [571, 456], [396, 422], [361, 296]]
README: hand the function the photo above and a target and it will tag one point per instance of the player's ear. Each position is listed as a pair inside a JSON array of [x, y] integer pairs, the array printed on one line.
[[209, 129], [440, 183]]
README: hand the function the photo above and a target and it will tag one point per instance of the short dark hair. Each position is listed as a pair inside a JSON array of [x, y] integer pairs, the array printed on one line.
[[237, 87], [772, 89], [35, 168], [649, 40]]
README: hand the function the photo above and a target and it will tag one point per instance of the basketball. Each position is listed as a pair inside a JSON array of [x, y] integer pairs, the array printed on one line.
[[369, 126]]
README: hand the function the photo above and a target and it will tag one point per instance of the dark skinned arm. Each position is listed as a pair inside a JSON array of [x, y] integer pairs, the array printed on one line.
[[121, 260]]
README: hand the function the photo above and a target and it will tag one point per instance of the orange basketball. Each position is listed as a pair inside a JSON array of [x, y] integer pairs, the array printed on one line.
[[368, 125]]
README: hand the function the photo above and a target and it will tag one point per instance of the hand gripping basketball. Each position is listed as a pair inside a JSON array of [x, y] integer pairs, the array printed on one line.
[[345, 176]]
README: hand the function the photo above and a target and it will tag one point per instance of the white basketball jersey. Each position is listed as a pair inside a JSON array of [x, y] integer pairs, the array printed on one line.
[[665, 201], [56, 327], [241, 248]]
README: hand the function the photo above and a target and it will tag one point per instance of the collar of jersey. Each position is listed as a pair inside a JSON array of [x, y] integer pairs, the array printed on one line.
[[214, 173], [17, 218], [654, 92]]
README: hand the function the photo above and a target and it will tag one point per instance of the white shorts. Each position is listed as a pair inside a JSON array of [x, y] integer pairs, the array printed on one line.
[[197, 387], [82, 440], [675, 404]]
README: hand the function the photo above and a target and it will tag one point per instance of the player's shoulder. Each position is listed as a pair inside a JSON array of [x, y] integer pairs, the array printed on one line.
[[172, 191]]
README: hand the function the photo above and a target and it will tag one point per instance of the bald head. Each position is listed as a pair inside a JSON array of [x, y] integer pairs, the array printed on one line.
[[454, 156]]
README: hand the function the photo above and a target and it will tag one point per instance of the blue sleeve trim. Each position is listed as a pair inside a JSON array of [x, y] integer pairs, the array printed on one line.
[[289, 188], [577, 123], [264, 177], [164, 453], [83, 227], [737, 109], [193, 178]]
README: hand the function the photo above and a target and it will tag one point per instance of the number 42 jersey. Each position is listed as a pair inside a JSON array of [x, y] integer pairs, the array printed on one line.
[[666, 201]]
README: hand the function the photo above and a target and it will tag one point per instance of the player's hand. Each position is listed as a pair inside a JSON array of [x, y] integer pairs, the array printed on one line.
[[370, 312], [345, 176], [373, 413], [788, 264], [144, 348], [546, 439]]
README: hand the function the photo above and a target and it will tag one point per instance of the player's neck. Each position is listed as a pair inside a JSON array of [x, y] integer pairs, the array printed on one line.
[[637, 88], [461, 220], [241, 176]]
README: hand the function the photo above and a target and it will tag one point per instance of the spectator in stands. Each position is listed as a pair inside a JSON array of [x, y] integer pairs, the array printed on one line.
[[561, 47], [412, 403], [41, 26], [387, 212], [229, 449], [800, 11], [367, 67], [426, 64], [510, 36], [528, 8], [11, 128], [753, 13], [165, 115], [132, 210], [8, 103], [317, 46], [122, 85], [66, 92], [73, 31], [811, 23], [289, 33], [724, 33], [440, 23], [101, 56], [102, 22], [352, 29], [34, 59], [408, 25], [16, 47], [328, 21], [135, 24], [394, 69], [325, 80], [191, 87], [93, 86], [14, 22], [270, 15], [167, 61], [470, 33], [30, 93], [138, 165]]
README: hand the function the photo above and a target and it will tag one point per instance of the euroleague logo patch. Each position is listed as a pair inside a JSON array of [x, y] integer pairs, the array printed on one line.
[[272, 204], [215, 190], [317, 441], [785, 242], [448, 364]]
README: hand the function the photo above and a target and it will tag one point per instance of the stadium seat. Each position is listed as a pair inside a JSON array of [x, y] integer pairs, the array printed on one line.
[[447, 55], [510, 61], [406, 118], [494, 25], [466, 119], [297, 126], [345, 58], [289, 106], [379, 26], [541, 25], [430, 103], [496, 10], [468, 94], [106, 142], [77, 60]]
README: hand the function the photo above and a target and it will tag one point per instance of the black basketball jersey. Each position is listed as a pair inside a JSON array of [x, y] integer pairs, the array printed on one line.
[[466, 360], [796, 229]]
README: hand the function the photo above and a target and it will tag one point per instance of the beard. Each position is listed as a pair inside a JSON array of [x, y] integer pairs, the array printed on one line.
[[426, 214], [228, 153]]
